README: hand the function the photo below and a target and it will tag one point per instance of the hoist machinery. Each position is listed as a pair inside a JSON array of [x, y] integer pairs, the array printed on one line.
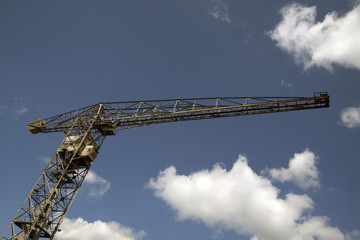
[[44, 209]]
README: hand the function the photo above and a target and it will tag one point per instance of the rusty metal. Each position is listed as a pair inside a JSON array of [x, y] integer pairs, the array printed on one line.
[[85, 130]]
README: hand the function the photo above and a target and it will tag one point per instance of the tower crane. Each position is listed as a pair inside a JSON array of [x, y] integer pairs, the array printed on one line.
[[44, 209]]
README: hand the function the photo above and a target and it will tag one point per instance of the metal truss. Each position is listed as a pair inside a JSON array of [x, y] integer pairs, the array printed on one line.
[[85, 130], [48, 202], [124, 115]]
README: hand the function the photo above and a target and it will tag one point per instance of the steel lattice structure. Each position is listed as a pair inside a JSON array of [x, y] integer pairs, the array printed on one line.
[[85, 130]]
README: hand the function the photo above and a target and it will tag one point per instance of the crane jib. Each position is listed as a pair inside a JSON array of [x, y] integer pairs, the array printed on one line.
[[123, 115]]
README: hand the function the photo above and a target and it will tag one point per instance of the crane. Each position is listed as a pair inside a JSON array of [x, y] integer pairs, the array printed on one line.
[[44, 209]]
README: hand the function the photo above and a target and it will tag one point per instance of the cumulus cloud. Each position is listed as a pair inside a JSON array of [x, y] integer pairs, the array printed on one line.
[[220, 11], [95, 185], [335, 40], [302, 171], [353, 235], [350, 117], [243, 201], [79, 229]]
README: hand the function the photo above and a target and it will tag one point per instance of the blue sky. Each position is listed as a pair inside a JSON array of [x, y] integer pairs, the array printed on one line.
[[288, 175]]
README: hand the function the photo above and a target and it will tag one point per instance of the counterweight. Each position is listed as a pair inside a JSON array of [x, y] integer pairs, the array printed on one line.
[[85, 130]]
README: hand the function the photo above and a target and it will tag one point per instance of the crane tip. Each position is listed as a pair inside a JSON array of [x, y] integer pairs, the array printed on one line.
[[35, 126]]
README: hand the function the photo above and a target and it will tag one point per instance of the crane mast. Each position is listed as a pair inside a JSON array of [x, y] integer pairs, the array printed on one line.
[[44, 209]]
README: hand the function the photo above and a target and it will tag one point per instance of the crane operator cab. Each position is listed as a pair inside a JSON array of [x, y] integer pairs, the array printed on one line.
[[81, 151]]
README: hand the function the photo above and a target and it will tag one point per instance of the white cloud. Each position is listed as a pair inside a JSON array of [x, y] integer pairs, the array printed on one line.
[[350, 117], [284, 83], [14, 109], [317, 228], [335, 40], [95, 185], [44, 159], [353, 235], [79, 229], [21, 110], [302, 171], [220, 11], [243, 201]]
